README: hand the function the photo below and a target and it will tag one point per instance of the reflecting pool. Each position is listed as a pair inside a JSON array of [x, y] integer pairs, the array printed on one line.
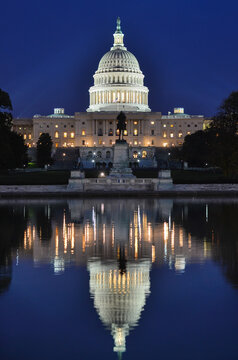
[[119, 278]]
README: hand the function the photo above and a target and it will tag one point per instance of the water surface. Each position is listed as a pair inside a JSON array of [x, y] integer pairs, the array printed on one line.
[[133, 278]]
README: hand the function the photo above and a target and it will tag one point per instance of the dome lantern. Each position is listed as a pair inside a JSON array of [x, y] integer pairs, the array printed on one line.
[[118, 35]]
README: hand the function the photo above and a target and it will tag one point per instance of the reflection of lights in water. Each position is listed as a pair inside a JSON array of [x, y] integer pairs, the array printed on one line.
[[104, 234], [102, 208], [58, 265], [56, 241], [149, 232], [206, 212], [72, 238], [180, 263], [139, 222], [119, 298], [172, 239], [181, 237], [189, 241], [17, 258], [94, 220], [153, 253], [166, 235]]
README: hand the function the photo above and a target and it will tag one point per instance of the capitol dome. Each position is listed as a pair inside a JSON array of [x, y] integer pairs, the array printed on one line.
[[118, 81]]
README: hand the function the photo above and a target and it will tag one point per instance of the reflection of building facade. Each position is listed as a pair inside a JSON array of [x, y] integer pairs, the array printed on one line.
[[96, 228], [118, 85], [119, 297]]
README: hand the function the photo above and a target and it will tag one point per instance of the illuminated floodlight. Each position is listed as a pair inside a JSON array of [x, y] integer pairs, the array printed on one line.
[[102, 174]]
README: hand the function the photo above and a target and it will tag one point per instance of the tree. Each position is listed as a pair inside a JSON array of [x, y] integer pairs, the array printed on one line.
[[217, 145], [13, 151], [197, 148], [44, 148], [225, 144]]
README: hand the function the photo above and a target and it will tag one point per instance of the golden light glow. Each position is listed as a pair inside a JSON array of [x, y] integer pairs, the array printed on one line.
[[72, 135], [56, 134], [83, 133], [153, 253], [65, 134]]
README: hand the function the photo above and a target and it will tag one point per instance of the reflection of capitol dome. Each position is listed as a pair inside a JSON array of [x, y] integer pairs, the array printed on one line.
[[119, 297], [118, 82]]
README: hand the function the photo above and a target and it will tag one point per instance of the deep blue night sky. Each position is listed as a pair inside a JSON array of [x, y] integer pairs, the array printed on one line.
[[50, 50]]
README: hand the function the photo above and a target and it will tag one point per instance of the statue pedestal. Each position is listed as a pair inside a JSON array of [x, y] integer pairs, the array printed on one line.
[[165, 180], [121, 160]]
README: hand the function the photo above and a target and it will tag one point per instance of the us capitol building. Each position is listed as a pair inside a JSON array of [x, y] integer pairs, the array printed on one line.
[[118, 86]]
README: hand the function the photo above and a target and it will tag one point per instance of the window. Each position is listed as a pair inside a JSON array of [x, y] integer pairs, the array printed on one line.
[[83, 133], [72, 126], [188, 125], [117, 132], [135, 122], [100, 142], [171, 125], [64, 126], [29, 136], [83, 123], [110, 132], [110, 142], [99, 154], [188, 133], [152, 132], [72, 135], [195, 125], [164, 125], [152, 142], [56, 134], [135, 154], [108, 155], [125, 132], [152, 122], [65, 134], [165, 144], [135, 132], [144, 154], [56, 126], [100, 132], [24, 136], [83, 142], [164, 135], [56, 145], [171, 135], [47, 126], [180, 134], [135, 142]]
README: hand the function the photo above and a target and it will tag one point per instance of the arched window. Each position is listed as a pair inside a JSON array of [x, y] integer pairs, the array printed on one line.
[[90, 154], [110, 132], [99, 154], [135, 154], [108, 155], [144, 154]]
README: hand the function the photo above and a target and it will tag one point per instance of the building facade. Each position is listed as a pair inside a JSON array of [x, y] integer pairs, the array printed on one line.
[[118, 86]]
